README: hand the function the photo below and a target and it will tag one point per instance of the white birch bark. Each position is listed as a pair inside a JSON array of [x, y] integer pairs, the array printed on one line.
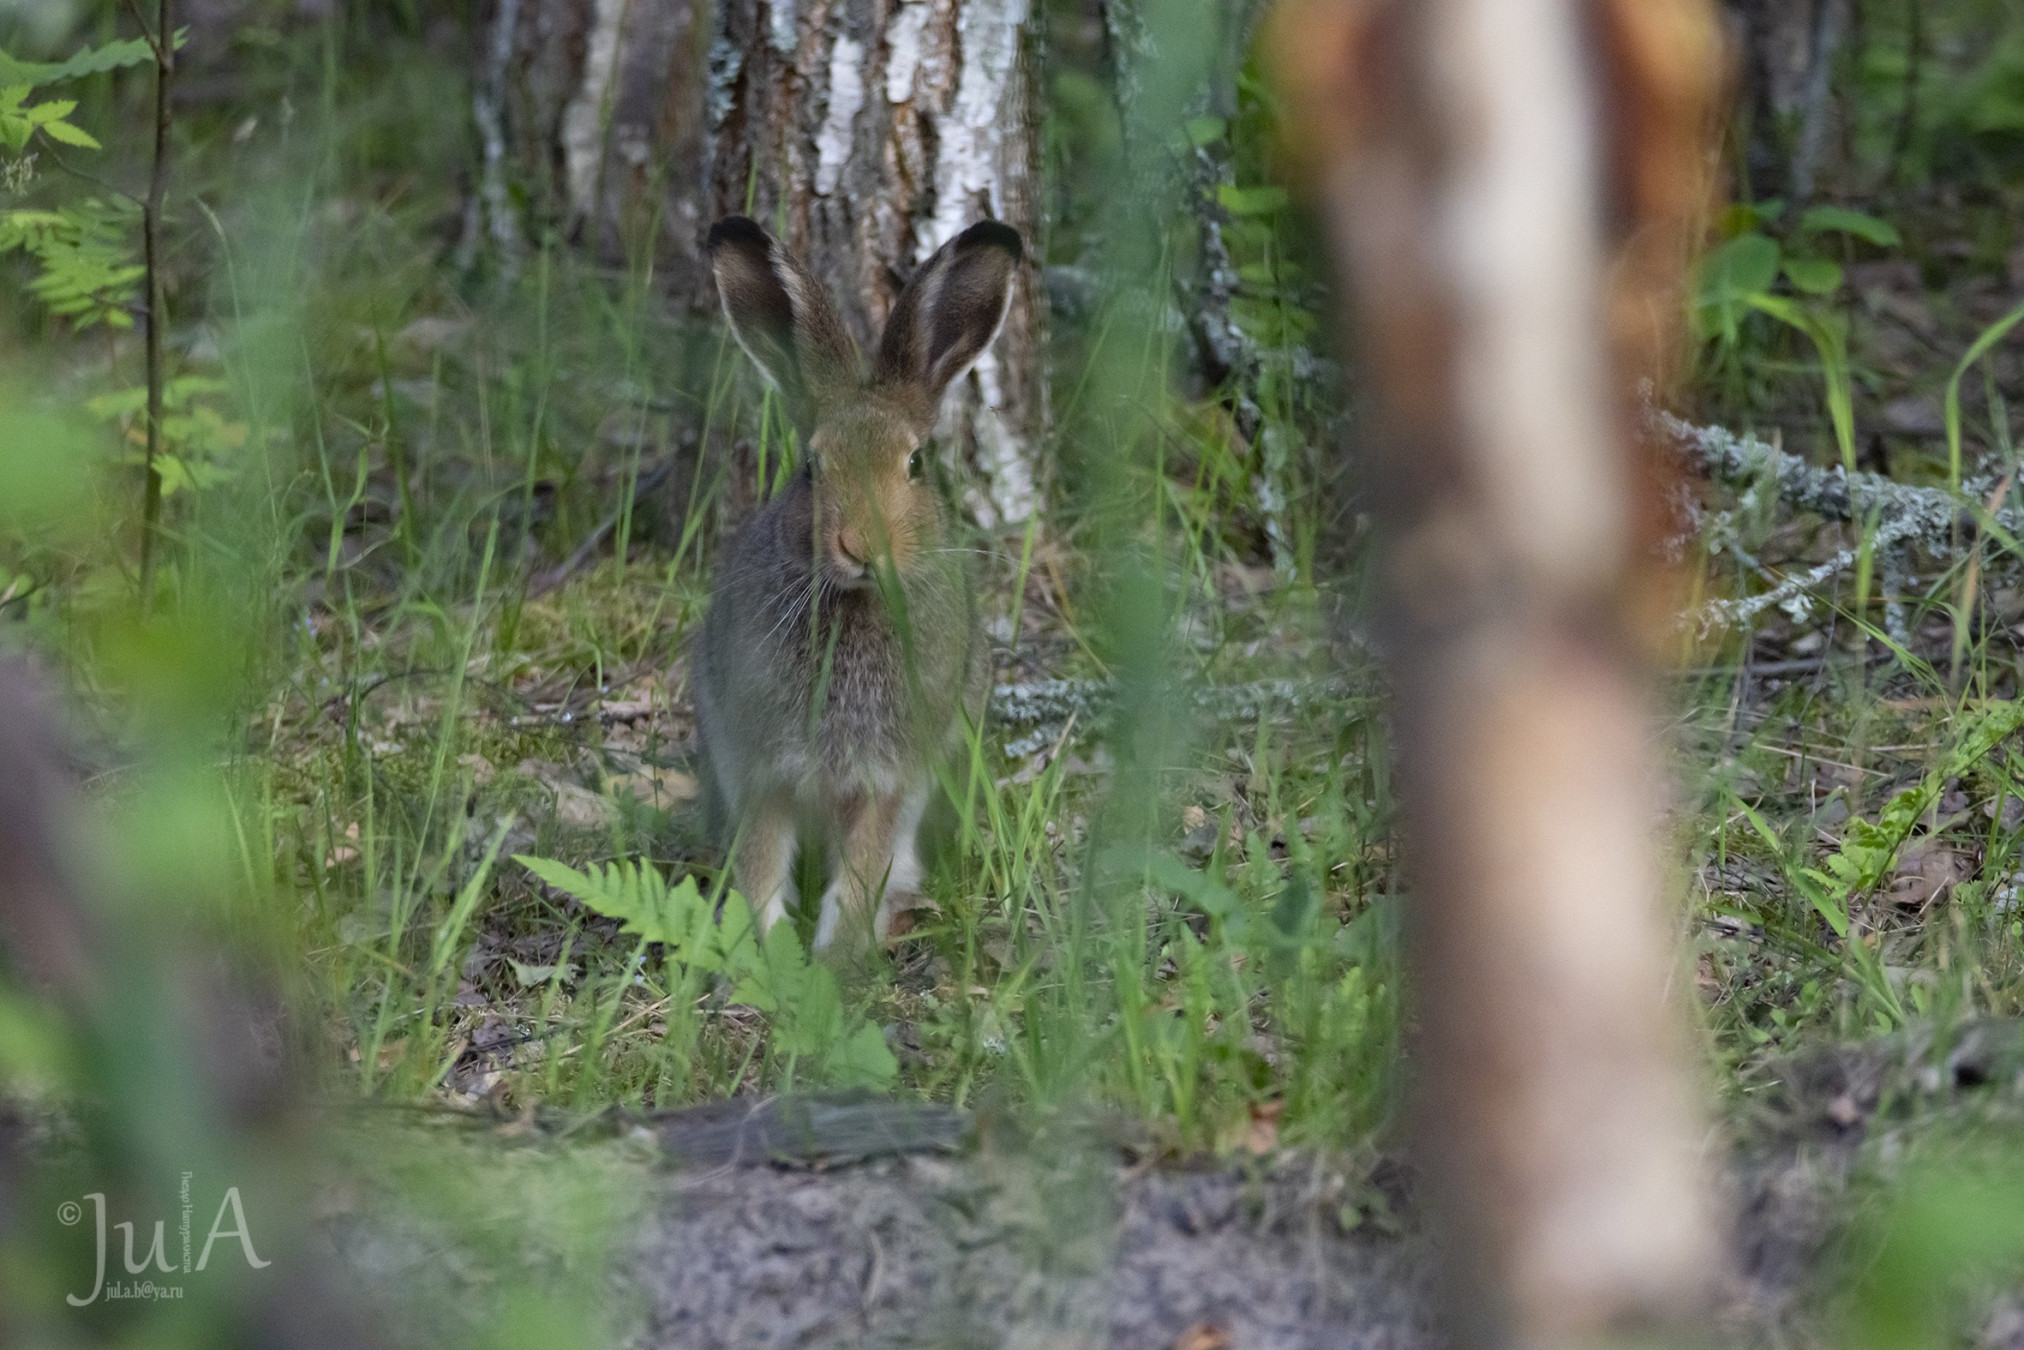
[[865, 135]]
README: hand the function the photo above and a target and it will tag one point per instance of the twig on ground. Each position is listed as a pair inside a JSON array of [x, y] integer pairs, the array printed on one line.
[[544, 582], [1901, 515], [1047, 705], [1833, 493]]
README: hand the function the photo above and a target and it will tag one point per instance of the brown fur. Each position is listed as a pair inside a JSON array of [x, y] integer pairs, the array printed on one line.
[[841, 644]]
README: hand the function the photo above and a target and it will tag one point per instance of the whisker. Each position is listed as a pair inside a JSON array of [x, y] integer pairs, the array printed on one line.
[[792, 608]]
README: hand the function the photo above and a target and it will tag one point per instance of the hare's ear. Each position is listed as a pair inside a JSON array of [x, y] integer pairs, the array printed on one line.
[[949, 312], [781, 317]]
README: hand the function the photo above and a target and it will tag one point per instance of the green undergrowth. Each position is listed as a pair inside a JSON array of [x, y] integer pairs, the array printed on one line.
[[446, 531]]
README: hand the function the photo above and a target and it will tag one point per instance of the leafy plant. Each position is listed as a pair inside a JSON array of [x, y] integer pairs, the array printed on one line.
[[86, 271], [21, 121], [1750, 261], [1869, 848], [85, 268], [197, 439], [1741, 276], [810, 1026]]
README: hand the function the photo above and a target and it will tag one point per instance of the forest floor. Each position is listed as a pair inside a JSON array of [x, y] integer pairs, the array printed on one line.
[[445, 608], [1849, 818], [848, 1221], [480, 661]]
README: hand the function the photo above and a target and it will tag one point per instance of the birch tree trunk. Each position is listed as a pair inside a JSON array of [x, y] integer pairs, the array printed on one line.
[[865, 133], [1511, 188]]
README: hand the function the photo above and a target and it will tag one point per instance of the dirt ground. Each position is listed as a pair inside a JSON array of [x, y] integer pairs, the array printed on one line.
[[852, 1222], [1023, 1246], [932, 1251]]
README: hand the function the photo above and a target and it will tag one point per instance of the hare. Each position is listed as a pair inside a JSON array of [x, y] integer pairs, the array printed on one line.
[[842, 645]]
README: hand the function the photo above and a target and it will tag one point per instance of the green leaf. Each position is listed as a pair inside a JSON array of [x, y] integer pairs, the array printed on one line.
[[18, 76], [66, 134], [1860, 224], [863, 1059], [180, 390], [1252, 201], [1745, 265], [86, 61], [118, 403], [1205, 130], [1206, 893], [636, 895], [1729, 278], [1815, 276], [1824, 903], [810, 1026], [1745, 217]]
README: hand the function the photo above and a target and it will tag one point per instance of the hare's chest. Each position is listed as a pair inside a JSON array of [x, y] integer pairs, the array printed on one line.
[[882, 702]]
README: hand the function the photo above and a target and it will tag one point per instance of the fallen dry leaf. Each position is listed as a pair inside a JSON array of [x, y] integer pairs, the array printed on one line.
[[659, 788], [576, 806], [579, 808], [343, 853], [1926, 869], [1262, 1134]]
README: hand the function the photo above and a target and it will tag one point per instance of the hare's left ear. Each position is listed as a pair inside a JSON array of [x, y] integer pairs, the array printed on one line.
[[949, 312]]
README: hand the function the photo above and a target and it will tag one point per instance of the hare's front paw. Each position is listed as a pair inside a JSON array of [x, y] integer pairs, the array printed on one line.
[[899, 913]]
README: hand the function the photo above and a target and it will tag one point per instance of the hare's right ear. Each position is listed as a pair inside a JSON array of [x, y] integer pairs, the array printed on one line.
[[781, 317]]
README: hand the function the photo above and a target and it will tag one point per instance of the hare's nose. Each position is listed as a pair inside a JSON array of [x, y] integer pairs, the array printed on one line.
[[850, 546]]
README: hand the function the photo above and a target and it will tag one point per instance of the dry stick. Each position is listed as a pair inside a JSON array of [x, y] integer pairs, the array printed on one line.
[[645, 486], [1928, 513], [163, 43], [1466, 154], [1905, 516]]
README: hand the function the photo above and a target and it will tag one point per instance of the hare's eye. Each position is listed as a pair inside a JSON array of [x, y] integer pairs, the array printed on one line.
[[917, 464]]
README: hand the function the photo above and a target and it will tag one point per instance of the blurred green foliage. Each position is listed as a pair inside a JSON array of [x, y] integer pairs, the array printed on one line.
[[351, 699]]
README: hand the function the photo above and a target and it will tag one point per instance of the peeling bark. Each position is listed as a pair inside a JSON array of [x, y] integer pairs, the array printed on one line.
[[864, 133], [1511, 187]]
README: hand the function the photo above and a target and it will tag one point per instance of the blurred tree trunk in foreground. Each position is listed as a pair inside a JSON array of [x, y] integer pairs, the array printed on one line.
[[865, 136], [1512, 189]]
